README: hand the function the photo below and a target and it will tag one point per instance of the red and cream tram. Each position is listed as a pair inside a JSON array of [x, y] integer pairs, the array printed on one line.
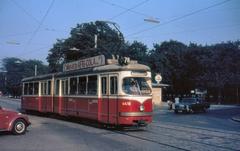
[[94, 89]]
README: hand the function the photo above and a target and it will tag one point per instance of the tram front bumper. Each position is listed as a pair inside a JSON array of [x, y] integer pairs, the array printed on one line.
[[135, 118], [135, 114]]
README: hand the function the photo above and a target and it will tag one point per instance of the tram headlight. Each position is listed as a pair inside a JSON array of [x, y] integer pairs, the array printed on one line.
[[141, 108]]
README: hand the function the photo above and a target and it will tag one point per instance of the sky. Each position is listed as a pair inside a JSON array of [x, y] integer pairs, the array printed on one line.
[[29, 28]]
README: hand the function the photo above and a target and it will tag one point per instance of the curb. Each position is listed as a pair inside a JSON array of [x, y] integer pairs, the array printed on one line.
[[236, 119], [11, 99]]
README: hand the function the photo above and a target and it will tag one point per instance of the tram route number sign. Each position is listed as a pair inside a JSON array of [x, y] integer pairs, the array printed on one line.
[[85, 63]]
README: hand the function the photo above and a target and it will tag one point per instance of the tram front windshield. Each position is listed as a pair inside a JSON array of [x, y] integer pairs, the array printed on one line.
[[136, 86]]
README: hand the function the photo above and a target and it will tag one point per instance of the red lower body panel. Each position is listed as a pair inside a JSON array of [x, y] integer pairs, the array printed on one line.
[[105, 110], [80, 107], [31, 103]]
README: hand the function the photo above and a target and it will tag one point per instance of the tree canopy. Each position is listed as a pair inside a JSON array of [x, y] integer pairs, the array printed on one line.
[[187, 67], [81, 43], [17, 69]]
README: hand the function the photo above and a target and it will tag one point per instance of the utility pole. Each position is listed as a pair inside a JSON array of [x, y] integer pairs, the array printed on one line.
[[95, 40], [35, 73]]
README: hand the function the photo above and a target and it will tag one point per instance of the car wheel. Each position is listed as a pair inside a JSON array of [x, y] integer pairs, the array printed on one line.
[[19, 127]]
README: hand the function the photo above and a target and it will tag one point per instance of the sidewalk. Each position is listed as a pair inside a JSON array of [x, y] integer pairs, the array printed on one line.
[[11, 99]]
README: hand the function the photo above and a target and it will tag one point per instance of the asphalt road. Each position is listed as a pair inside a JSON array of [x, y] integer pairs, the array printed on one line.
[[211, 131], [217, 117]]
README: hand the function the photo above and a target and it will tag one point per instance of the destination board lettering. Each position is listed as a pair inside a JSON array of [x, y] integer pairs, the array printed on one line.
[[85, 63]]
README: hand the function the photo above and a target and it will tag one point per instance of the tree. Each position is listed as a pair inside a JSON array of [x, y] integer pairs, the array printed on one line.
[[221, 67], [167, 59], [138, 51], [81, 38], [17, 69]]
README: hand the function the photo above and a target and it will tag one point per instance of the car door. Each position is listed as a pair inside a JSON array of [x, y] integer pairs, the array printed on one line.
[[3, 119]]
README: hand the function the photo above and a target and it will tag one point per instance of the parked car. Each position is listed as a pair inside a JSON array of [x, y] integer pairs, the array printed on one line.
[[13, 121], [189, 105]]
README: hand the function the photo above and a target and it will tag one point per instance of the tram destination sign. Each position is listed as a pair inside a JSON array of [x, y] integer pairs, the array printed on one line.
[[84, 63]]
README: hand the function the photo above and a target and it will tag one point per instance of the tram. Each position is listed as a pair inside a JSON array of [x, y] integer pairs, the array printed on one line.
[[95, 88]]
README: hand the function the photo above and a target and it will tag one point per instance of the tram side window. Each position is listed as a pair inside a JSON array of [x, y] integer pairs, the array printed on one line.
[[104, 85], [65, 87], [30, 89], [82, 83], [57, 87], [35, 88], [49, 88], [113, 85], [25, 89], [73, 86], [44, 88], [42, 84], [92, 85]]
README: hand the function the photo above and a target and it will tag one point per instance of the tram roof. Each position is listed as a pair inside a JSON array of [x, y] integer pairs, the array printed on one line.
[[99, 69]]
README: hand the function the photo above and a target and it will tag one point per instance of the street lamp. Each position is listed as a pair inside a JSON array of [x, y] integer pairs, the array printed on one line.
[[12, 43], [152, 20]]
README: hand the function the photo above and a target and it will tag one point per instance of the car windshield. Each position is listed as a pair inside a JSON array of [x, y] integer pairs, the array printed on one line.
[[136, 86], [188, 100]]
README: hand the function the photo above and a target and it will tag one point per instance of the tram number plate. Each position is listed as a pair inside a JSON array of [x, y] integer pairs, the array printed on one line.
[[126, 103]]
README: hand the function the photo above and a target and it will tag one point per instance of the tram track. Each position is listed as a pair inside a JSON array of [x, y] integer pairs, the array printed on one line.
[[203, 138], [142, 135], [201, 128], [149, 140], [181, 138], [196, 128], [211, 135]]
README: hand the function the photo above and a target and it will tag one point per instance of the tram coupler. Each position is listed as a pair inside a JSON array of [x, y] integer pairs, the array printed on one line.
[[140, 123]]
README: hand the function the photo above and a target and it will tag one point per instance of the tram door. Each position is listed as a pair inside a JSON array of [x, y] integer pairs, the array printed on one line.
[[108, 103], [56, 98]]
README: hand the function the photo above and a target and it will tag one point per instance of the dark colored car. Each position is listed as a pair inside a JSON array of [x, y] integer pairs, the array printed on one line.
[[13, 121], [189, 105]]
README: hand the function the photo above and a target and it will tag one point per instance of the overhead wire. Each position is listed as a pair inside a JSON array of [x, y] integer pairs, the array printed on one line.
[[128, 9], [25, 11], [193, 30], [34, 18], [33, 51], [124, 8], [125, 11], [40, 23], [179, 18], [36, 30]]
